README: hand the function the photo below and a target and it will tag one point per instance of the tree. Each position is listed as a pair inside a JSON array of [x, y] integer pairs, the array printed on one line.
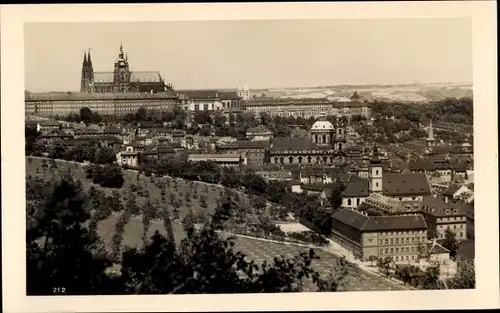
[[188, 222], [105, 156], [167, 223], [58, 149], [148, 213], [220, 120], [338, 276], [203, 201], [141, 114], [55, 256], [110, 176], [450, 242], [85, 115], [131, 205], [385, 264], [465, 278], [430, 279], [202, 117]]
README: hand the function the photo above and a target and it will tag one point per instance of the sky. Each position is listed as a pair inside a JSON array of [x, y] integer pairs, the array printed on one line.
[[266, 54]]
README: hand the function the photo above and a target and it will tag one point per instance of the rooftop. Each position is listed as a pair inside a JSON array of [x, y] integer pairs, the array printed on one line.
[[365, 223], [467, 248], [401, 184], [357, 187], [440, 207], [293, 143], [73, 96]]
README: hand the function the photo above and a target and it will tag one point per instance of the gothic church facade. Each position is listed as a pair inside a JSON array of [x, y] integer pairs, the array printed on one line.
[[121, 79]]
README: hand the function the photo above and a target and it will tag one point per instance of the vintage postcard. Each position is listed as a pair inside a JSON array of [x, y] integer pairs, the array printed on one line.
[[210, 156]]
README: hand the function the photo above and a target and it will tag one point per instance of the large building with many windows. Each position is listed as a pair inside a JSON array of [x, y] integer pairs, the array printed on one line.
[[306, 108], [401, 237], [64, 103]]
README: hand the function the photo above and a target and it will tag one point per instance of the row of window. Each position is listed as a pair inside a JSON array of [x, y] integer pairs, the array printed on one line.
[[455, 226], [442, 235], [309, 159], [403, 233], [397, 241], [349, 202], [397, 250]]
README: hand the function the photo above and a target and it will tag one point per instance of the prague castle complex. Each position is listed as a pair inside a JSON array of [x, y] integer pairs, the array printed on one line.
[[123, 91]]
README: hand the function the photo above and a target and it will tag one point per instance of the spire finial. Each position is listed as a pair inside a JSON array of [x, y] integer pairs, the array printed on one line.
[[89, 58]]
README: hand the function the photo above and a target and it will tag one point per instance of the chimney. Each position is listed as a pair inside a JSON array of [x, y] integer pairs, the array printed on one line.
[[445, 199]]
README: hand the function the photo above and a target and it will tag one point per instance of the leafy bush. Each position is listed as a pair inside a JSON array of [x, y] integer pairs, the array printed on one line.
[[109, 175], [309, 237]]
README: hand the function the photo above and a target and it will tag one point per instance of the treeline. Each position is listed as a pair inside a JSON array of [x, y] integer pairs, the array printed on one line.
[[450, 110], [66, 257], [88, 151]]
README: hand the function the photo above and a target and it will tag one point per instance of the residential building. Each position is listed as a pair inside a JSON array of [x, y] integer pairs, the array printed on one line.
[[128, 158], [399, 237], [255, 151], [441, 214], [210, 100]]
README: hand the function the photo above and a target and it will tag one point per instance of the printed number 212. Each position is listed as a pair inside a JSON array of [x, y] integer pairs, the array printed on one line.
[[58, 290]]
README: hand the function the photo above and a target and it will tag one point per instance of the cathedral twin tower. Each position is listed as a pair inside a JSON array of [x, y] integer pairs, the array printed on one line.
[[121, 79]]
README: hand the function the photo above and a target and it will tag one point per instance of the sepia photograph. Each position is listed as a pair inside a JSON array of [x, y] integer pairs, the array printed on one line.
[[249, 156]]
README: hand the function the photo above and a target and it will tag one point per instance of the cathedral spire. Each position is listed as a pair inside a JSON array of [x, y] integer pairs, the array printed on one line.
[[84, 58], [89, 58], [120, 55]]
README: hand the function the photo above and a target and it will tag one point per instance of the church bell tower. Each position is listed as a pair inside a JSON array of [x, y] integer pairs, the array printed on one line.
[[375, 173]]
